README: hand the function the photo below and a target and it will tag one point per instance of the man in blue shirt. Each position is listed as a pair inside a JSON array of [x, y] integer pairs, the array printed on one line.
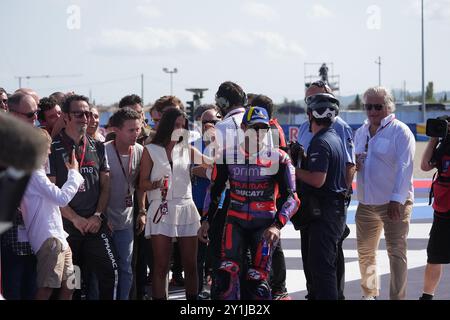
[[345, 132], [323, 191]]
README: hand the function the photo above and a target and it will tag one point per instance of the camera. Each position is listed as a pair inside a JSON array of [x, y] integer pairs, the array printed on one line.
[[438, 127]]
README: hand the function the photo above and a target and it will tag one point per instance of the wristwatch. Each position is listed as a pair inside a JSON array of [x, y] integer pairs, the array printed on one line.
[[99, 215]]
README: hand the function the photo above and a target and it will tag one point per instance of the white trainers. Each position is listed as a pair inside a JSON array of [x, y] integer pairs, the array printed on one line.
[[369, 298]]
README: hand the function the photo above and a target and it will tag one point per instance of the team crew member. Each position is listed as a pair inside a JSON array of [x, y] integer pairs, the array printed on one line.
[[84, 218], [253, 219], [345, 133], [323, 193], [231, 100]]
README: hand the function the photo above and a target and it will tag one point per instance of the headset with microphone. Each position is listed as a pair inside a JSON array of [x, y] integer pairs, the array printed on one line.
[[226, 96]]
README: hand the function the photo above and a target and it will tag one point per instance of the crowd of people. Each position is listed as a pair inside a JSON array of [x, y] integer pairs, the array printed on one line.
[[111, 212]]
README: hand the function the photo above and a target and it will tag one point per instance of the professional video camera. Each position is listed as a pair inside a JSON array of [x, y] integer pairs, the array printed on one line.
[[22, 151], [438, 127]]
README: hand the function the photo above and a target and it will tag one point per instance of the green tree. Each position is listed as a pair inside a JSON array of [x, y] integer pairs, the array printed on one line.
[[356, 104], [429, 93]]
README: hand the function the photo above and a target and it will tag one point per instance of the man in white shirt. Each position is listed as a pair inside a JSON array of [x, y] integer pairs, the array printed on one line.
[[231, 100], [384, 148]]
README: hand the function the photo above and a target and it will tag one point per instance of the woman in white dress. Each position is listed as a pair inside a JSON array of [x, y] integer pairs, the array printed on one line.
[[170, 155]]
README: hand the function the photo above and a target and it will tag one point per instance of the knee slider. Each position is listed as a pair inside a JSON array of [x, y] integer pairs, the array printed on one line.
[[258, 286], [228, 280]]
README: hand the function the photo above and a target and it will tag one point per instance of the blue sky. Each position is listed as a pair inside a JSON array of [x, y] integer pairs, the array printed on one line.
[[262, 45]]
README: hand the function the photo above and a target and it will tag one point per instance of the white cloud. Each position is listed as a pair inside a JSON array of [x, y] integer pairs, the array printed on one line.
[[259, 10], [274, 44], [433, 10], [240, 38], [319, 11], [148, 11], [150, 41]]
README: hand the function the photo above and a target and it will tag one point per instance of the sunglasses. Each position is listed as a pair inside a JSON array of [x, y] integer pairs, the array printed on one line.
[[213, 122], [29, 115], [319, 84], [369, 106], [80, 114], [5, 101], [257, 128]]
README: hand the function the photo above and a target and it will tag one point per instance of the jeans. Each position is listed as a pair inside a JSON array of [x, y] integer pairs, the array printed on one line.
[[123, 242]]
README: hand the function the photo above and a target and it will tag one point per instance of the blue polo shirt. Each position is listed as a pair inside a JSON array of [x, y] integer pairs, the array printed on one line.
[[325, 154], [343, 130]]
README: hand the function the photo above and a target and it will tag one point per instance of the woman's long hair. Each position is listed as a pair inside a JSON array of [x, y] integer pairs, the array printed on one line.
[[166, 126]]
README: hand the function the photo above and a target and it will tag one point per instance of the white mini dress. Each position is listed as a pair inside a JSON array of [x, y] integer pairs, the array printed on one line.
[[182, 219]]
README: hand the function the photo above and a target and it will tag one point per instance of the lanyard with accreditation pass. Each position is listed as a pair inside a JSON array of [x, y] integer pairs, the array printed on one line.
[[128, 197]]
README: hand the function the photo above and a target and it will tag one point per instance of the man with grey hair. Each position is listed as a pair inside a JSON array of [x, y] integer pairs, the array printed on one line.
[[384, 149]]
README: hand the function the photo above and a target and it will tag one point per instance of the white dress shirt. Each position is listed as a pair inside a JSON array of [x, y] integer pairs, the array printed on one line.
[[387, 171], [40, 207], [228, 129]]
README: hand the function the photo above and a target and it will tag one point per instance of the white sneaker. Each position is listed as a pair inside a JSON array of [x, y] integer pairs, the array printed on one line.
[[369, 298]]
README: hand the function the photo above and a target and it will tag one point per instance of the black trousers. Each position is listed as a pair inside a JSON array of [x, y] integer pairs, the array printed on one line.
[[215, 234], [95, 253], [322, 254]]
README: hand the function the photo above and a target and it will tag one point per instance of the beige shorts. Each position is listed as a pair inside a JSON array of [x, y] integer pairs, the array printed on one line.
[[54, 265]]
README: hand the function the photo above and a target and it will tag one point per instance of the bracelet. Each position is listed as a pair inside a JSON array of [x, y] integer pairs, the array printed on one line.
[[143, 212], [204, 218]]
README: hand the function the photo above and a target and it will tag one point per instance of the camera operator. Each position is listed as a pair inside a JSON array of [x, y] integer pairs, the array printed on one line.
[[437, 155]]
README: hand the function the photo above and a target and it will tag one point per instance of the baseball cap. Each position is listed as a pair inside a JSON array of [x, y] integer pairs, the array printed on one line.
[[254, 115]]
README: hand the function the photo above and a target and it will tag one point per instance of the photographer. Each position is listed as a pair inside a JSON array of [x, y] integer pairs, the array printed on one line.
[[437, 155]]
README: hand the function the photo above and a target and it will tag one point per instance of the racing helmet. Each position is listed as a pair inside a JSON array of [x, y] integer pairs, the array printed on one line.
[[323, 105]]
